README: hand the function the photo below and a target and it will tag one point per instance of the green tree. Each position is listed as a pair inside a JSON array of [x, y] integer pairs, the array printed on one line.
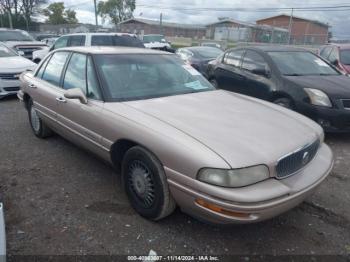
[[57, 14], [116, 10]]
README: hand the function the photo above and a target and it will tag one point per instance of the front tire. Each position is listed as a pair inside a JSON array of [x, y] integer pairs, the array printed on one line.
[[145, 183], [40, 129]]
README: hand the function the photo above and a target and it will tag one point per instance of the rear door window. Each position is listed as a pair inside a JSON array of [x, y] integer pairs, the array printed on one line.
[[233, 58], [55, 67], [77, 40], [102, 40], [253, 61]]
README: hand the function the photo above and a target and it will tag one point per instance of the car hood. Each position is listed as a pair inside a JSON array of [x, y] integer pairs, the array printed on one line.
[[24, 43], [335, 86], [242, 130], [15, 64]]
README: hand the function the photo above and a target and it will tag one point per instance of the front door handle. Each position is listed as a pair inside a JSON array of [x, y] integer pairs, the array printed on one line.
[[32, 86], [61, 100]]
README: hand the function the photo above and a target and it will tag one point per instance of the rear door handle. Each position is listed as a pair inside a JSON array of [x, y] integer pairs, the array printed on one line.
[[61, 100], [32, 86]]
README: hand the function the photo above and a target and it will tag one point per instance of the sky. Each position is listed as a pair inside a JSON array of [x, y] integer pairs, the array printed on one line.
[[150, 9]]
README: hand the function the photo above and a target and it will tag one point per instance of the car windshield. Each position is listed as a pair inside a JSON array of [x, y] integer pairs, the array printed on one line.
[[6, 52], [15, 36], [345, 57], [135, 76], [209, 52], [153, 38], [297, 63]]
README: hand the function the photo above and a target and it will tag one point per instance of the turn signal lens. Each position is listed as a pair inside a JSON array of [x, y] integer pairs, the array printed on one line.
[[221, 210]]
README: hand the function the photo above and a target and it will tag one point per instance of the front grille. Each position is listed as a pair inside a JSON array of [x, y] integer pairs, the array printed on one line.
[[9, 76], [294, 162], [346, 103], [28, 51], [11, 89]]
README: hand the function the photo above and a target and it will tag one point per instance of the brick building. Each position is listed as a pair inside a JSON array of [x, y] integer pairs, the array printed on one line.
[[304, 31], [146, 26]]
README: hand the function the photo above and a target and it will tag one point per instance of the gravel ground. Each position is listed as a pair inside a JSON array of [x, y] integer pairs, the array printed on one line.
[[61, 200]]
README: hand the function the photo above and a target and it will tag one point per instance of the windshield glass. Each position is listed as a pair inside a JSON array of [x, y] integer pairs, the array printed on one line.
[[209, 52], [153, 38], [345, 57], [6, 52], [134, 77], [15, 36], [296, 63]]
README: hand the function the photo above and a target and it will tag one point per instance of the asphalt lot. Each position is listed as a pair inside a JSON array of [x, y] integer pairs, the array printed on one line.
[[60, 199]]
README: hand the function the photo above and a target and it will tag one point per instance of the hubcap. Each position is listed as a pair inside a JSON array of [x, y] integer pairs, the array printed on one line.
[[35, 120], [141, 183]]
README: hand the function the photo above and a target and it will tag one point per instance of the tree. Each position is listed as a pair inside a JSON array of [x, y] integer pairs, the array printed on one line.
[[57, 14], [116, 10], [18, 12]]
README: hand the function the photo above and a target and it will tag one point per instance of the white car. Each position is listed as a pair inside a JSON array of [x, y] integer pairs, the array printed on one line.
[[156, 42], [20, 41], [11, 66], [90, 39]]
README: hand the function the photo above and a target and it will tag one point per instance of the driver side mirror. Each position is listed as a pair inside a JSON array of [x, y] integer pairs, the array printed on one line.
[[335, 62], [76, 93], [262, 72]]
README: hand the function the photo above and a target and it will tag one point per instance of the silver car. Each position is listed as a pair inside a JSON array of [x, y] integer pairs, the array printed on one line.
[[219, 156]]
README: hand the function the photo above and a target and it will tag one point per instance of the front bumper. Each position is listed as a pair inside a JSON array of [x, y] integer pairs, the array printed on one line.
[[257, 202], [331, 119], [10, 87]]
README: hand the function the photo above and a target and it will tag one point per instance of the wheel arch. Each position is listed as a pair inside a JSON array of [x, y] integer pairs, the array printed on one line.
[[26, 99]]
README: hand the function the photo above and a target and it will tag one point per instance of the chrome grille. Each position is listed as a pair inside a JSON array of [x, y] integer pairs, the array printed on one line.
[[28, 51], [294, 162], [9, 76], [346, 103]]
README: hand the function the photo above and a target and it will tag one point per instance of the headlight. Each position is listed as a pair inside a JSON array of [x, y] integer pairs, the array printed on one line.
[[318, 97], [235, 177]]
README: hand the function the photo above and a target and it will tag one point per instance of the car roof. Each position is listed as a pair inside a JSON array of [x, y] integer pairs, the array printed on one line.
[[118, 34], [273, 48], [113, 50]]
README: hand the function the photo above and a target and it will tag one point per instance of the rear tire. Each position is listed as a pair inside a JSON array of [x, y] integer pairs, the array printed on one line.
[[39, 128], [284, 102], [145, 183]]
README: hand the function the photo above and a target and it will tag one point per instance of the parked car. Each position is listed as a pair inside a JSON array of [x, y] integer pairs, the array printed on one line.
[[21, 41], [338, 55], [2, 235], [11, 66], [157, 42], [294, 78], [90, 39], [199, 56], [211, 44], [220, 156]]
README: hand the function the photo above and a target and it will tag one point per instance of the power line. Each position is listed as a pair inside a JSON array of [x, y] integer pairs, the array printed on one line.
[[271, 9]]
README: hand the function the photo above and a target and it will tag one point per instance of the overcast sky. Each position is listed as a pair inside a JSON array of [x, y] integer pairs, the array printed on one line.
[[339, 20]]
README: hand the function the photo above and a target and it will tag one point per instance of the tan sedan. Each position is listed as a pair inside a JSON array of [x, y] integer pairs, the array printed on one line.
[[219, 156]]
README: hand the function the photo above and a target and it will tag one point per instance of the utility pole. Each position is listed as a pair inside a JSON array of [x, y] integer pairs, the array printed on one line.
[[290, 26], [96, 20], [161, 23], [10, 20]]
